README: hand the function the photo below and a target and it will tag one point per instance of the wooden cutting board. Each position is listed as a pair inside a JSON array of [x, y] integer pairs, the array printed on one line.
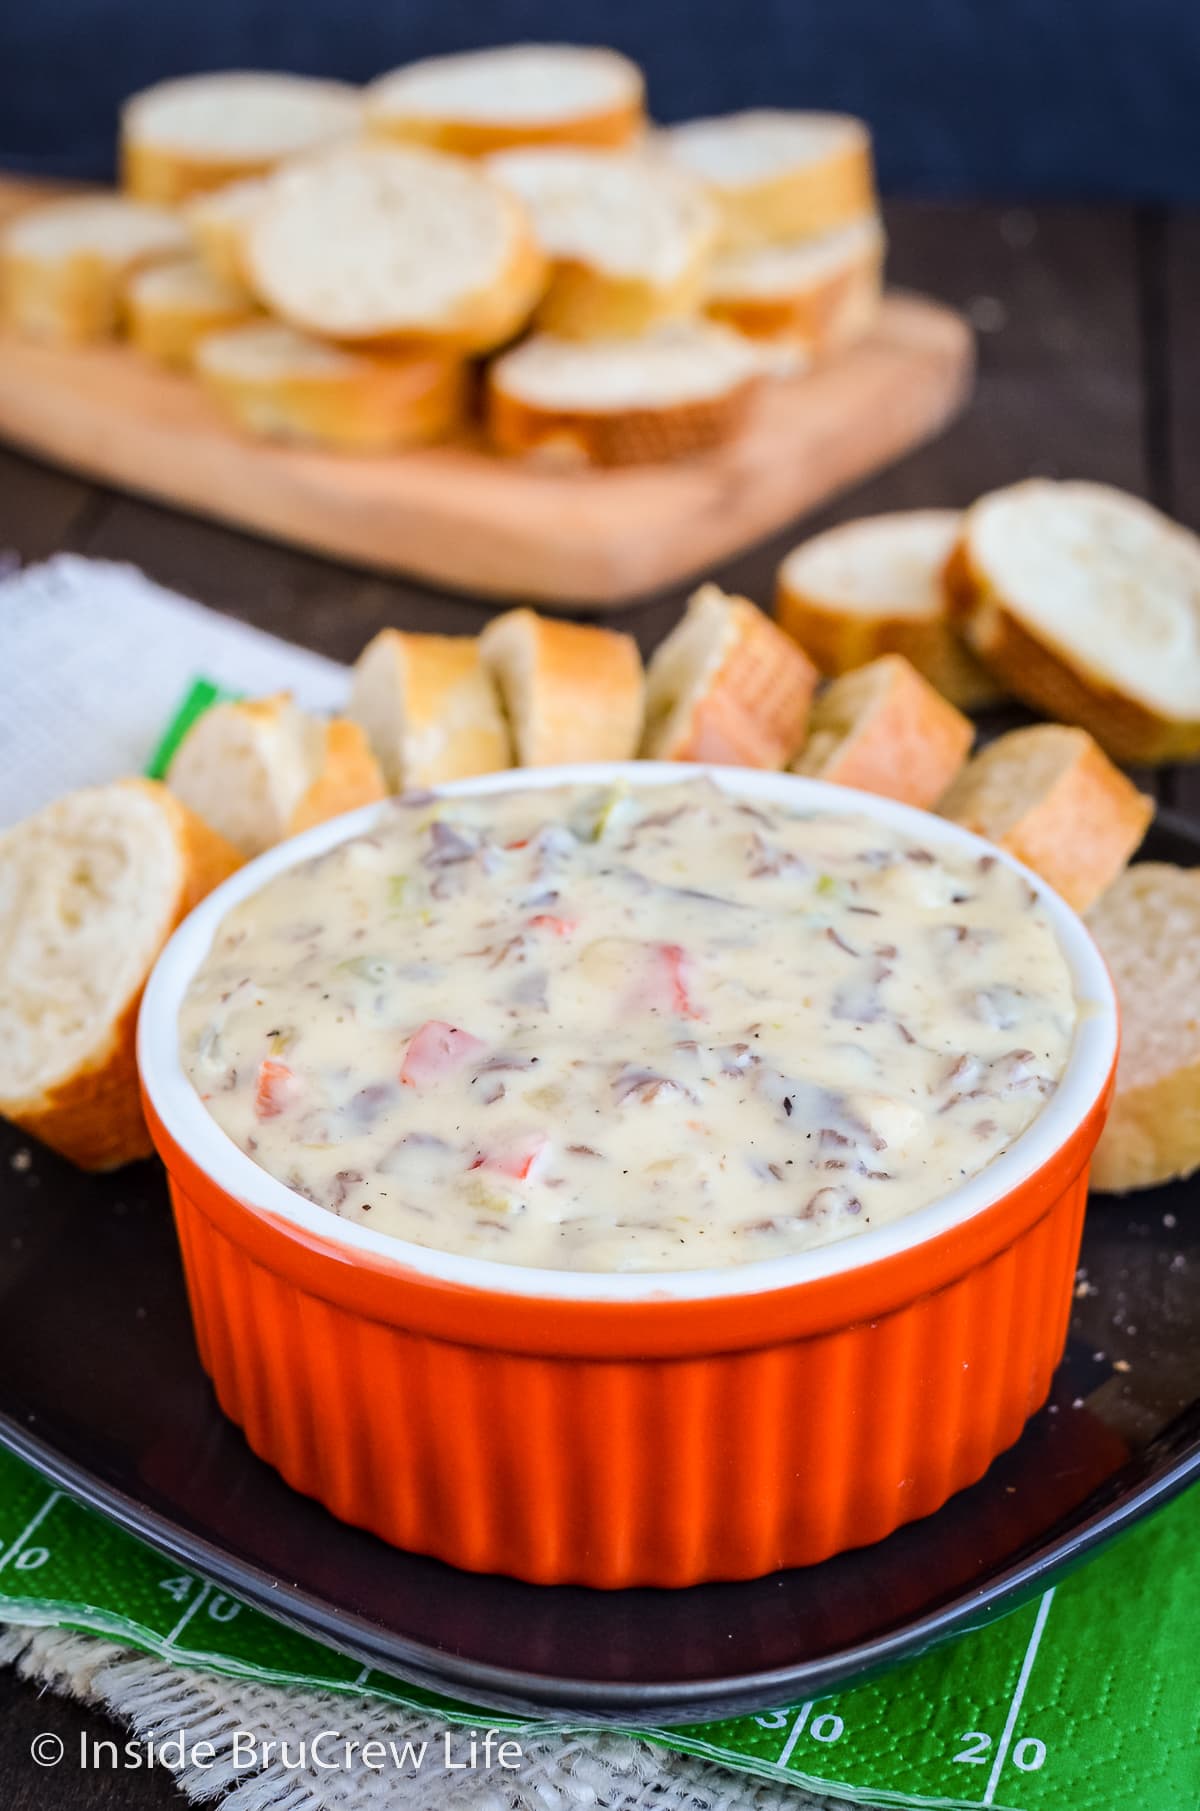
[[458, 516]]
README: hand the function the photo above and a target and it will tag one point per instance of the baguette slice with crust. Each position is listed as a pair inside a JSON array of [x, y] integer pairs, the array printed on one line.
[[184, 137], [90, 890], [1148, 929], [63, 265], [726, 686], [778, 176], [394, 245], [429, 709], [628, 236], [875, 587], [818, 295], [1050, 796], [523, 94], [218, 221], [261, 769], [571, 692], [1086, 602], [885, 730], [285, 385], [170, 308], [680, 390]]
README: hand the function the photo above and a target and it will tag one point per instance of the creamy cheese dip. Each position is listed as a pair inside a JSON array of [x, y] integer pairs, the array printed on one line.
[[644, 1029]]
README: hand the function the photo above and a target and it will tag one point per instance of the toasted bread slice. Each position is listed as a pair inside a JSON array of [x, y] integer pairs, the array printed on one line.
[[1148, 927], [818, 295], [682, 389], [169, 308], [183, 137], [1086, 603], [63, 265], [628, 237], [884, 729], [91, 887], [218, 220], [778, 176], [570, 692], [875, 587], [523, 94], [285, 385], [261, 769], [429, 709], [394, 245], [1050, 796], [726, 686]]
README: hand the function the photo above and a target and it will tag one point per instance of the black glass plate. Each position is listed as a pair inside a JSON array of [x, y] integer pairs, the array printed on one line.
[[101, 1388]]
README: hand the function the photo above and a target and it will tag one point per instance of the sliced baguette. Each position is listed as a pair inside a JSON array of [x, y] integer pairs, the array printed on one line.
[[1086, 603], [875, 587], [392, 244], [628, 237], [429, 709], [1050, 796], [284, 385], [523, 94], [778, 176], [570, 692], [90, 890], [817, 295], [218, 220], [1148, 927], [63, 265], [169, 308], [726, 686], [184, 137], [680, 390], [261, 769], [884, 729]]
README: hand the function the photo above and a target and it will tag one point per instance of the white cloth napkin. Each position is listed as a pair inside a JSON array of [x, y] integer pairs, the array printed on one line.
[[94, 659]]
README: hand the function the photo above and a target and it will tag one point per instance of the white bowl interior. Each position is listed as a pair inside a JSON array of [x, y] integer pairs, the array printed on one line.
[[183, 1114]]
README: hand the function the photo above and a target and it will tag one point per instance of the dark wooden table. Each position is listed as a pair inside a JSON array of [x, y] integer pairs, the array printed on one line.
[[1089, 367]]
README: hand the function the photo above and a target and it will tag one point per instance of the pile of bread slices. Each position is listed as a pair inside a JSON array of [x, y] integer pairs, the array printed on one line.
[[334, 263], [1066, 594]]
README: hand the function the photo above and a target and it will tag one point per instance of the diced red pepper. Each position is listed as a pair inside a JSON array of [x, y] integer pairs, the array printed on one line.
[[521, 843], [276, 1086], [675, 965], [558, 927], [514, 1159], [436, 1050]]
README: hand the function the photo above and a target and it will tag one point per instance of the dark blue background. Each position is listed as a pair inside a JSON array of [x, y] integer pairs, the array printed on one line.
[[977, 97]]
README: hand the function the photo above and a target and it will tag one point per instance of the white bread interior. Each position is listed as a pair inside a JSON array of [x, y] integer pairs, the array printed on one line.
[[570, 691], [523, 92], [626, 213], [63, 265], [393, 243], [251, 767], [726, 685], [217, 222], [1148, 927], [90, 889], [681, 362], [429, 708], [767, 272], [875, 586], [194, 131], [1087, 601]]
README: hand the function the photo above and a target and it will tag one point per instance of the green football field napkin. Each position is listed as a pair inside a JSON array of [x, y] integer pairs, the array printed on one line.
[[1085, 1699]]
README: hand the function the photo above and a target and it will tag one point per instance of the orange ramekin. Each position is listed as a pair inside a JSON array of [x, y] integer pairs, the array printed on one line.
[[631, 1429]]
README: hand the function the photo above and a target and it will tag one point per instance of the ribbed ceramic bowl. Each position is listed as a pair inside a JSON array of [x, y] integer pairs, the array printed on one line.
[[634, 1429]]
